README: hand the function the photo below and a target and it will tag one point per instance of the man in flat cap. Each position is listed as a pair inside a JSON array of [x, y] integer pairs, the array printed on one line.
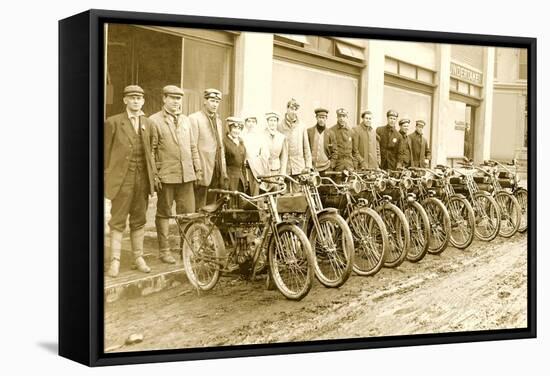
[[129, 174], [405, 146], [277, 145], [366, 141], [208, 132], [388, 138], [319, 142], [177, 159], [257, 152], [299, 153], [421, 154], [342, 149]]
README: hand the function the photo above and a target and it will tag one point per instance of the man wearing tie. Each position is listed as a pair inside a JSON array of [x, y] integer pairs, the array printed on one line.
[[130, 176]]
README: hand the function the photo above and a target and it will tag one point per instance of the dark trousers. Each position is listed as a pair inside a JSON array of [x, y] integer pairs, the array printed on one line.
[[184, 196], [132, 199], [202, 197]]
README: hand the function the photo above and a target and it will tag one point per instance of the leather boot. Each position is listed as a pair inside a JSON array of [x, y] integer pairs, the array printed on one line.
[[137, 247], [163, 233], [116, 245]]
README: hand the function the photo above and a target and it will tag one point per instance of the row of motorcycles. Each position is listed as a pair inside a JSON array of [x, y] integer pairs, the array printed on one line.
[[328, 227]]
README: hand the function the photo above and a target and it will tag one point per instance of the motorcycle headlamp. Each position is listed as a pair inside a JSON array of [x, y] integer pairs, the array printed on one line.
[[406, 182], [380, 184], [355, 186]]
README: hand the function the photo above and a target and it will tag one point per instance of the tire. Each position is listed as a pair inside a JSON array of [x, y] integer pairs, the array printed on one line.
[[487, 214], [332, 261], [398, 234], [463, 222], [521, 196], [200, 252], [370, 239], [290, 262], [440, 225], [510, 214], [419, 226]]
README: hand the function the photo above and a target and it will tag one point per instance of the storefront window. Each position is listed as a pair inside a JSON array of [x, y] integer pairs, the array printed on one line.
[[205, 66], [410, 104], [313, 88], [153, 59], [143, 57]]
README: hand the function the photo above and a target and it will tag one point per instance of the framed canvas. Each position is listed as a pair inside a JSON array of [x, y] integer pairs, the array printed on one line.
[[277, 187]]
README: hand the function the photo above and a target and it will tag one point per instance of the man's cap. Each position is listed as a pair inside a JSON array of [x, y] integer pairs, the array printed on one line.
[[250, 116], [421, 123], [213, 93], [133, 90], [172, 90], [321, 111], [403, 121], [365, 113], [233, 120], [341, 111], [271, 114], [392, 113], [293, 103]]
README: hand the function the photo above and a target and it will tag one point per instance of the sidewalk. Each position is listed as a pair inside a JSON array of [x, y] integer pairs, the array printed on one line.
[[132, 283]]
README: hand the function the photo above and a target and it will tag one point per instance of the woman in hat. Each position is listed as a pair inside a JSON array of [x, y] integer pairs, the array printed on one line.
[[277, 144], [235, 154]]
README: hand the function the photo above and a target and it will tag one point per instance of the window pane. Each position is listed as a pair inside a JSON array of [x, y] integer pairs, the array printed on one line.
[[407, 70], [523, 64], [391, 66], [463, 87], [409, 104], [313, 88], [206, 66], [425, 75], [147, 58]]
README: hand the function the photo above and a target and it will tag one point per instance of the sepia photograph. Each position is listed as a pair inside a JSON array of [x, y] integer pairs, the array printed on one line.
[[264, 188]]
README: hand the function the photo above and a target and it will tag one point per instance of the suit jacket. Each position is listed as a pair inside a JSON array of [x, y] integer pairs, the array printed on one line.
[[388, 138], [118, 138], [343, 154], [174, 149], [278, 152], [312, 133], [368, 148], [405, 151], [420, 150], [235, 156], [207, 145], [299, 153]]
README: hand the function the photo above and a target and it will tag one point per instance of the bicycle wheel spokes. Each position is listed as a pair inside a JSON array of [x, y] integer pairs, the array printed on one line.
[[290, 263]]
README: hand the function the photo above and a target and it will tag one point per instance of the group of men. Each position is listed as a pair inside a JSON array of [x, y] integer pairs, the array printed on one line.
[[179, 157]]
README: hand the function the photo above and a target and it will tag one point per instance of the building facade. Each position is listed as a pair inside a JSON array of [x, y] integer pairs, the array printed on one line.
[[472, 98]]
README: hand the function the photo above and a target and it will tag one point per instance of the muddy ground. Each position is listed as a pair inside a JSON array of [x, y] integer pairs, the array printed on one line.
[[483, 287]]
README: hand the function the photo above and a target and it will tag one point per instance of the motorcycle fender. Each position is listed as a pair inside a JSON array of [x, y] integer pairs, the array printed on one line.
[[460, 195], [309, 221], [484, 193]]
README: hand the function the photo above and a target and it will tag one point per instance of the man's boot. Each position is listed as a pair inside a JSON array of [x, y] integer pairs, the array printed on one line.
[[163, 229], [137, 248], [116, 245]]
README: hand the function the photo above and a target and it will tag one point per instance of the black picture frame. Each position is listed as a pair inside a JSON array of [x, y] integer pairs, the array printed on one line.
[[81, 186]]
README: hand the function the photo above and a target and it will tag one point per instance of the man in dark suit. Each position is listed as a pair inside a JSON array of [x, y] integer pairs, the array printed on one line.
[[318, 141], [421, 154], [343, 151], [405, 146], [178, 165], [208, 132], [388, 138], [130, 175]]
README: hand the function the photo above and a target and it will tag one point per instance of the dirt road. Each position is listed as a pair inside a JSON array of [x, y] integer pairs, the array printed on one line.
[[483, 287]]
